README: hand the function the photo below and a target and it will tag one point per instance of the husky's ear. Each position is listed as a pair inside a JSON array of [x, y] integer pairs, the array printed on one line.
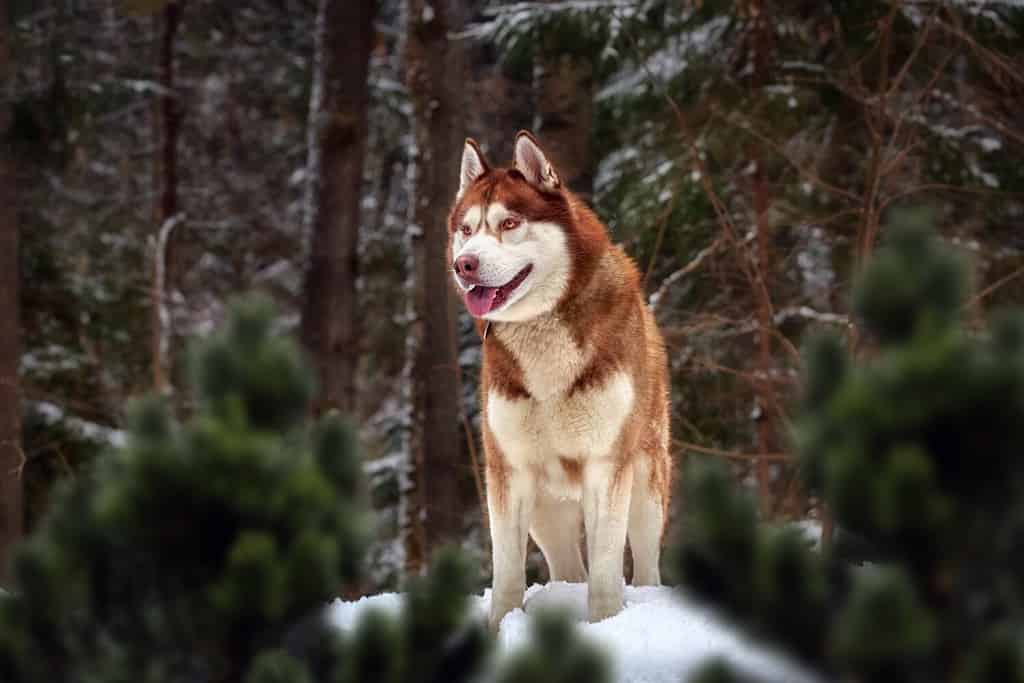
[[473, 165], [529, 159]]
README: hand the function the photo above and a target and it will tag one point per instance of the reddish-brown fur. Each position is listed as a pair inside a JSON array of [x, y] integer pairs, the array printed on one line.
[[573, 383], [604, 309]]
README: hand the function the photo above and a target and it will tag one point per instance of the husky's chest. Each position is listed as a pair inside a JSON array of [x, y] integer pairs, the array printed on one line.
[[555, 423]]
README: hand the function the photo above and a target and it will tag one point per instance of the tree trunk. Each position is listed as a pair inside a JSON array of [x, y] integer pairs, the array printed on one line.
[[330, 329], [166, 251], [564, 88], [435, 67], [11, 454]]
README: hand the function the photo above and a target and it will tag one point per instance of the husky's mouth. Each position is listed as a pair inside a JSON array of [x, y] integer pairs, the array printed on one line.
[[482, 300]]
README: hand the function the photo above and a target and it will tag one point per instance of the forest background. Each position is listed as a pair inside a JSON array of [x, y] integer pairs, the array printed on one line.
[[162, 156]]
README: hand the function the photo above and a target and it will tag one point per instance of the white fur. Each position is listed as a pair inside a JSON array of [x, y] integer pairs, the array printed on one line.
[[473, 166], [542, 245], [533, 164], [510, 525], [472, 219], [605, 515], [585, 426], [534, 435], [556, 526], [547, 353], [646, 521]]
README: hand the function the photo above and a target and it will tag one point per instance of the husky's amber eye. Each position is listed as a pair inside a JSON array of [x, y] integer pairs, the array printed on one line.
[[510, 223], [466, 230]]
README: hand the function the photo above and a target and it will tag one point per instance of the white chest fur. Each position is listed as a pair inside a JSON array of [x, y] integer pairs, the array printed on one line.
[[582, 426], [547, 353], [551, 425]]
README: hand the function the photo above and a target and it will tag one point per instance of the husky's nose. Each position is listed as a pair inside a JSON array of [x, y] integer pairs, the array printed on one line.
[[467, 267]]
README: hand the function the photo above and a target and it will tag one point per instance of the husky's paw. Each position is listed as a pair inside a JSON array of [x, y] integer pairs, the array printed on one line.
[[494, 620], [600, 606], [500, 607]]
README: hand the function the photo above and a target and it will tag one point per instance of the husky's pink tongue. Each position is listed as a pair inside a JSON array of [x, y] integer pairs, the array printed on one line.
[[479, 300]]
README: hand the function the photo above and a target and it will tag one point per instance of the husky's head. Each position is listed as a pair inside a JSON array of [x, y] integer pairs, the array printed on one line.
[[512, 234]]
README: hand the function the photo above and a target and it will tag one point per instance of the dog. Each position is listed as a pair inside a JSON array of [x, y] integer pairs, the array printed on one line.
[[573, 385]]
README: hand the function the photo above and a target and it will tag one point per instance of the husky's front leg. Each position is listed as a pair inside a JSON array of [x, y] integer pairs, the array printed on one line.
[[510, 501], [607, 486]]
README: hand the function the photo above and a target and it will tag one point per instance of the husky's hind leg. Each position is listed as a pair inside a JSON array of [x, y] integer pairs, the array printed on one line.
[[557, 527], [646, 522]]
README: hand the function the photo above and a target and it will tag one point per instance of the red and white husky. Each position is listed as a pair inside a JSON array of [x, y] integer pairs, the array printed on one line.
[[575, 410]]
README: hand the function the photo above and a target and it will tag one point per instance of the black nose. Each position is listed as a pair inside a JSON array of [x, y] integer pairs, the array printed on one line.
[[467, 266]]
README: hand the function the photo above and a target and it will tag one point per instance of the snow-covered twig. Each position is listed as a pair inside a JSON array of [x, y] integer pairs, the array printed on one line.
[[655, 299], [314, 130], [808, 313], [53, 414], [162, 316]]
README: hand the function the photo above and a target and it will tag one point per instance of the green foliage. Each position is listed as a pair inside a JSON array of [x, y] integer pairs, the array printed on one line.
[[277, 667], [441, 646], [207, 551], [589, 31], [250, 368], [916, 286], [997, 658], [718, 670], [883, 631], [754, 576], [916, 453], [717, 559], [203, 542]]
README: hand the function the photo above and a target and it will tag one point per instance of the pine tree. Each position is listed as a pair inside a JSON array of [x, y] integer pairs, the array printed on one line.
[[207, 551], [915, 449]]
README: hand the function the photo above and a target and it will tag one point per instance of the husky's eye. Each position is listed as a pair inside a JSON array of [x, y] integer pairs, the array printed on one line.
[[510, 223], [466, 230]]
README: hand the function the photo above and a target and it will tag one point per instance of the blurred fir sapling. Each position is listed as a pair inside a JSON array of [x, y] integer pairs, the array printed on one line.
[[916, 450], [208, 551]]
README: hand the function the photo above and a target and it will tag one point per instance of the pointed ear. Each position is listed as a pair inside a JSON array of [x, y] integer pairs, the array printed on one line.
[[530, 160], [473, 165]]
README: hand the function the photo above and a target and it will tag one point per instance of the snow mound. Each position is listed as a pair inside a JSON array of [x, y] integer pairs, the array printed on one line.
[[660, 636]]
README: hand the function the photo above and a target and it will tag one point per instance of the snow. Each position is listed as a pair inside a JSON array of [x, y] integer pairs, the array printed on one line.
[[613, 166], [811, 530], [660, 635], [383, 464], [53, 414], [667, 63]]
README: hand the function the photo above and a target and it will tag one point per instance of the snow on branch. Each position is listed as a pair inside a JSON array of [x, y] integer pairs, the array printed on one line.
[[655, 299], [53, 414], [808, 313], [509, 23]]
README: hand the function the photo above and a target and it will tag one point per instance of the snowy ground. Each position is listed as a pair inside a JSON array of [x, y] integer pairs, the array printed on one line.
[[659, 636]]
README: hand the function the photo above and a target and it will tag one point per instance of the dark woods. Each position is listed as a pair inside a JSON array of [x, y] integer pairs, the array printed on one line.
[[161, 156]]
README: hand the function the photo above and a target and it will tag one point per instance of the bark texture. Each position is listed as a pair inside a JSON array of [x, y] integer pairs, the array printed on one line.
[[11, 454], [435, 69], [167, 259], [330, 325]]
